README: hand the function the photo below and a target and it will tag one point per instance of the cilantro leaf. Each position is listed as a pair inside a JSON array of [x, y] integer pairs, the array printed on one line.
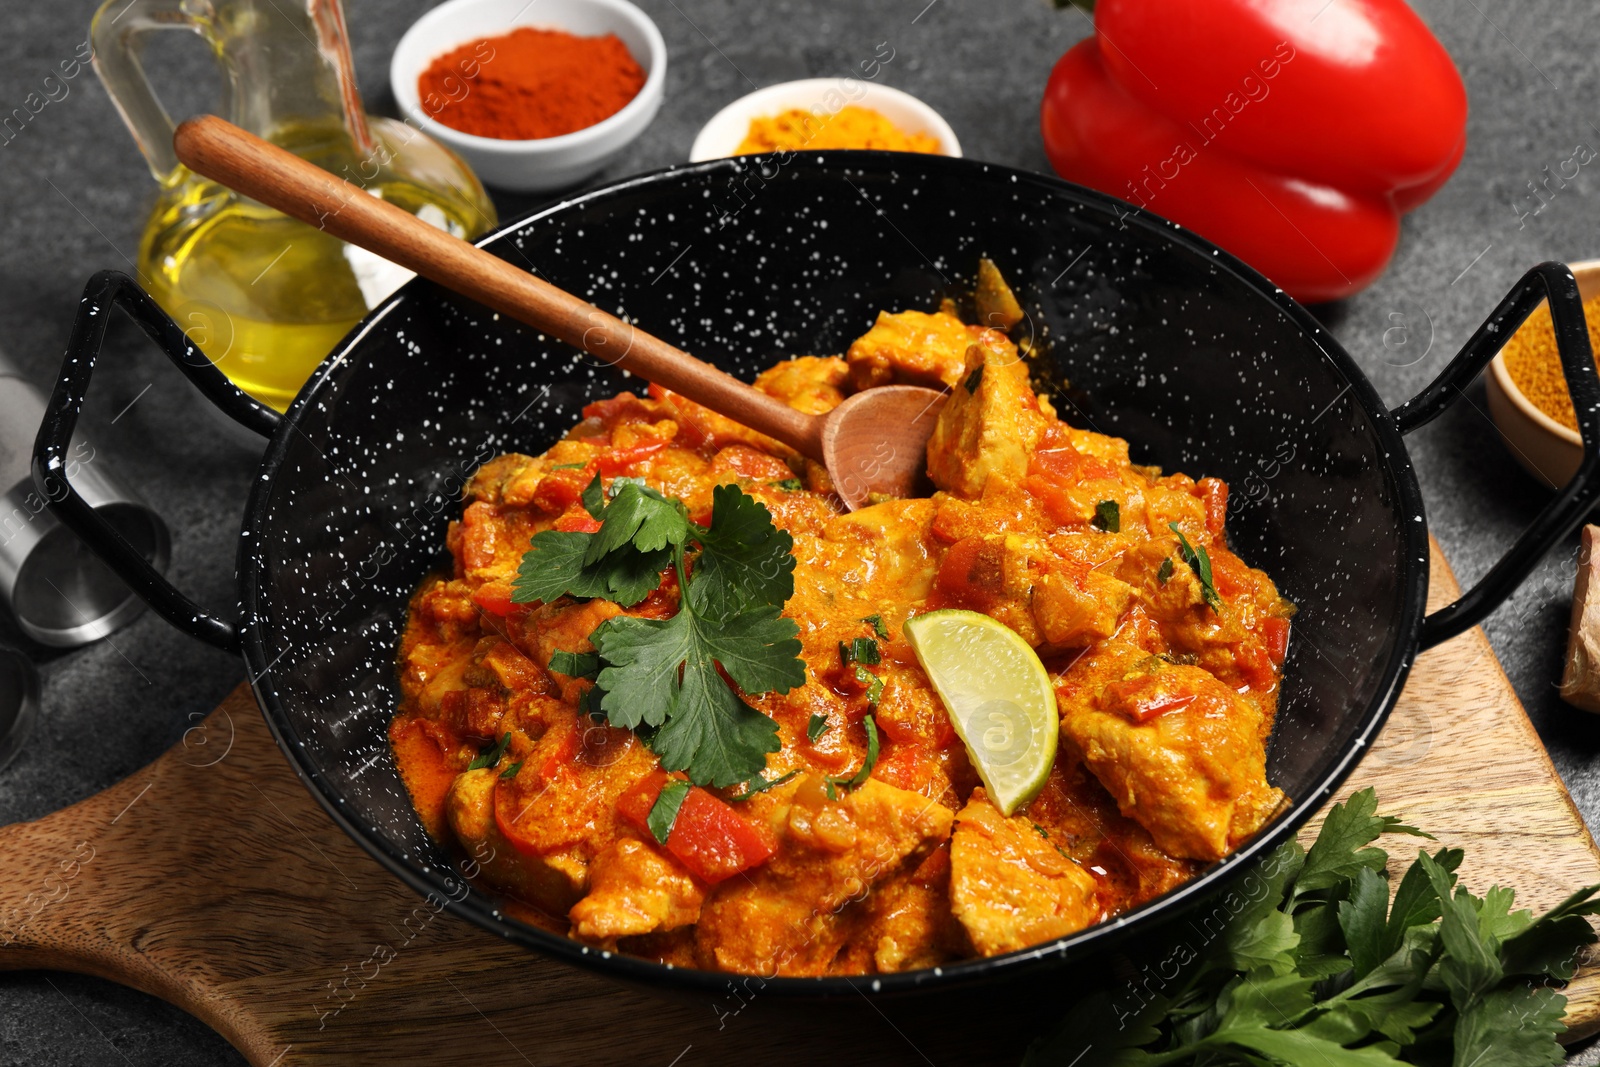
[[758, 784], [641, 517], [511, 771], [859, 650], [788, 485], [664, 677], [553, 567], [878, 627], [703, 728], [816, 727], [575, 664], [1107, 516], [594, 499], [664, 812], [556, 566], [1164, 573], [712, 735], [873, 683], [1199, 561], [745, 560], [857, 780], [491, 756]]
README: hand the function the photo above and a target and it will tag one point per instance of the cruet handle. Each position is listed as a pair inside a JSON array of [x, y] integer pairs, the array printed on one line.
[[117, 34]]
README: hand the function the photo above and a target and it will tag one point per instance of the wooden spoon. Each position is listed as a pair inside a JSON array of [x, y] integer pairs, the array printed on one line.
[[874, 443]]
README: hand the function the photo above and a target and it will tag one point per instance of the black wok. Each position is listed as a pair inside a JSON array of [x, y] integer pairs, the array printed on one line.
[[1150, 333]]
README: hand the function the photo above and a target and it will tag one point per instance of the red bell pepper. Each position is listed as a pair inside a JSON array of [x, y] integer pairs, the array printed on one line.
[[1293, 133], [709, 838]]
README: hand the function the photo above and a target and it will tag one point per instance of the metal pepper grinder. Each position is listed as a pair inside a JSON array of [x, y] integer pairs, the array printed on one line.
[[59, 591]]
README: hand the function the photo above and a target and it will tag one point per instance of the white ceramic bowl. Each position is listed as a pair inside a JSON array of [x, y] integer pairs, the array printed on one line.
[[1545, 448], [727, 128], [550, 162]]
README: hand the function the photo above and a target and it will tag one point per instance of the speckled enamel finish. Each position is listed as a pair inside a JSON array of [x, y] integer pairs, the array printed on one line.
[[1148, 332]]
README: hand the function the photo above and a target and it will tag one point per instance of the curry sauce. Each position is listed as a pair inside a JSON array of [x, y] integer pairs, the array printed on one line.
[[1166, 681]]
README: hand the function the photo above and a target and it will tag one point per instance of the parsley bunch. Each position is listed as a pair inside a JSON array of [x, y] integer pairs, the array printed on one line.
[[661, 677], [1320, 968]]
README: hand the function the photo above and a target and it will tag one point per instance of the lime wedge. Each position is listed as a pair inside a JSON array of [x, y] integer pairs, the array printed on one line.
[[999, 698]]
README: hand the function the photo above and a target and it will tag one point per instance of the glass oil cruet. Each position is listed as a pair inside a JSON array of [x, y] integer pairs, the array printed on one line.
[[264, 296]]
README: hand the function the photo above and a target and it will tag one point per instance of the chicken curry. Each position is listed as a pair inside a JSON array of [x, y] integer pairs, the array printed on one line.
[[867, 844]]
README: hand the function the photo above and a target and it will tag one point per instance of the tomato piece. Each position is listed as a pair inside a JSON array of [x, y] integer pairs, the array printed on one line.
[[622, 460], [1274, 634], [495, 598], [1214, 492], [906, 766], [1057, 504], [558, 491], [972, 574], [1228, 572], [751, 463], [624, 407], [1058, 464], [709, 838], [1253, 660], [1146, 696], [560, 757], [508, 809], [576, 520]]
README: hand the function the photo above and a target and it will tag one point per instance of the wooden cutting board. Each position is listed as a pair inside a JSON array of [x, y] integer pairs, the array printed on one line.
[[212, 879]]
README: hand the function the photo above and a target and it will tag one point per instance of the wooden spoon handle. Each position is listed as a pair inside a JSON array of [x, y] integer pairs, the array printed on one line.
[[246, 164]]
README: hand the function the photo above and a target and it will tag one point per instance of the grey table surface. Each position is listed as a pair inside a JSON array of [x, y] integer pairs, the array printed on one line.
[[75, 194]]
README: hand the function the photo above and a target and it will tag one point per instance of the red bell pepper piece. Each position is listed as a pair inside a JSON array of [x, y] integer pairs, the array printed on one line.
[[1293, 133], [709, 838]]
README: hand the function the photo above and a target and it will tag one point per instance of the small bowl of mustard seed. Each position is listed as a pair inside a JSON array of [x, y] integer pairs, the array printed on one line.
[[1528, 396], [534, 96]]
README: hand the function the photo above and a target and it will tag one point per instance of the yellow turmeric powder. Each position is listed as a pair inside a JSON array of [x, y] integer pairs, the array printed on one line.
[[1535, 367], [850, 127]]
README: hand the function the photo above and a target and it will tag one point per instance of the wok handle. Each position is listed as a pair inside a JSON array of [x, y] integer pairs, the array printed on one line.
[[106, 290], [1573, 501]]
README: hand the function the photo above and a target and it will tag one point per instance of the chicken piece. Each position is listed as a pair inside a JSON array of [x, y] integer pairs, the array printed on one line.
[[912, 926], [490, 481], [792, 916], [1009, 886], [886, 546], [813, 384], [553, 881], [1180, 752], [916, 348], [635, 889], [989, 426], [1075, 606]]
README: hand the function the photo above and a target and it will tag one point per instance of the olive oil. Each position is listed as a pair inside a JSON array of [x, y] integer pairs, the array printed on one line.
[[264, 296]]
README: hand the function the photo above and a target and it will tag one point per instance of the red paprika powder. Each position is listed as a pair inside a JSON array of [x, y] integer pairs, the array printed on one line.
[[530, 83]]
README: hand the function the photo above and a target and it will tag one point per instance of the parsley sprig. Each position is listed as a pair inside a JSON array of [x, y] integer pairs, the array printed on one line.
[[1320, 968], [664, 677]]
